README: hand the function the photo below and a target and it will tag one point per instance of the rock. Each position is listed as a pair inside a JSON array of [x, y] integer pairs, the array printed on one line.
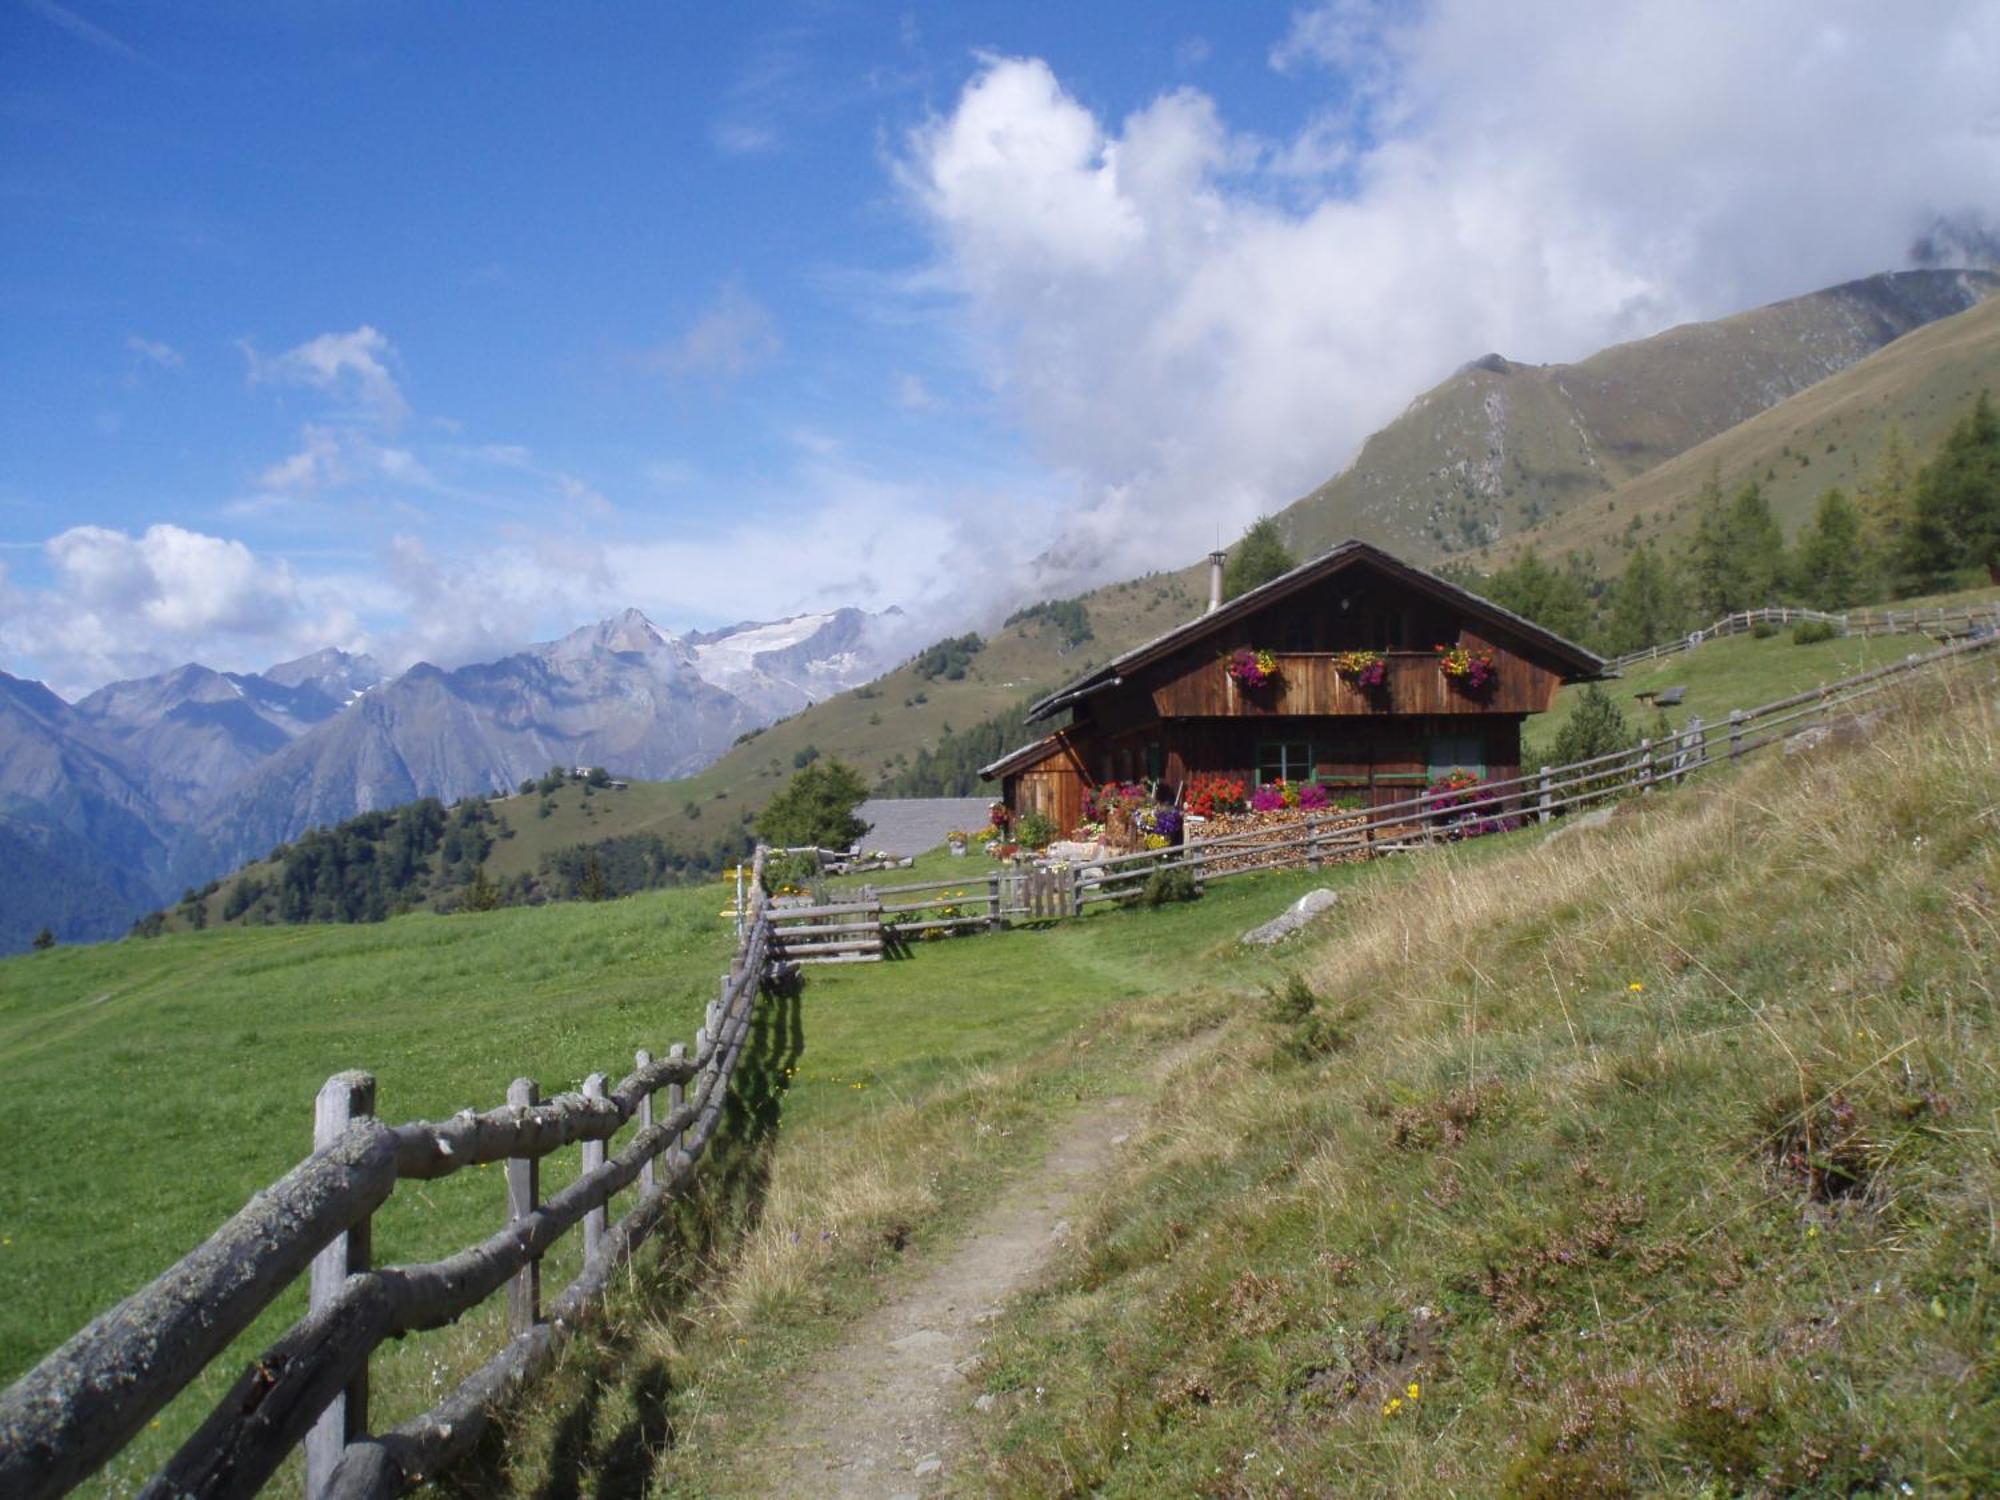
[[1597, 817], [928, 1465], [986, 1402], [1302, 911]]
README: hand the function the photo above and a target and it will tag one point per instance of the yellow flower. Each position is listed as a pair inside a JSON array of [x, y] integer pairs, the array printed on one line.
[[1414, 1390], [1635, 987], [1395, 1405]]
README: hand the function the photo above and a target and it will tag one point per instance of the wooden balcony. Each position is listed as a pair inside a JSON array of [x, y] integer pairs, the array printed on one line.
[[1307, 684]]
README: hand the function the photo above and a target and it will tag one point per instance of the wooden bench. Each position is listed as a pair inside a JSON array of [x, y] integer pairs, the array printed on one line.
[[1662, 697]]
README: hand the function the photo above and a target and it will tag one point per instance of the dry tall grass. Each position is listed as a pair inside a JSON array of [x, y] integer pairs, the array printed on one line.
[[1658, 1159]]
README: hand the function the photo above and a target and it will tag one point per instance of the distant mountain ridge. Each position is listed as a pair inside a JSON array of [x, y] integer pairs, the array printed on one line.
[[1500, 447], [167, 781], [111, 805]]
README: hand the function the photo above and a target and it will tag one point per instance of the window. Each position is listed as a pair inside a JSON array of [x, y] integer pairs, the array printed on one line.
[[1284, 760], [1156, 761], [1457, 752]]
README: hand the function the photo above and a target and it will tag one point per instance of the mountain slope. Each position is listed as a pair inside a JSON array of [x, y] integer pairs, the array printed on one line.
[[1500, 447], [620, 694], [187, 734], [81, 844], [1830, 434]]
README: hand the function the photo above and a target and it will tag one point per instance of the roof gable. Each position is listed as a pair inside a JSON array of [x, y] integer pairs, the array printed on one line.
[[1583, 664]]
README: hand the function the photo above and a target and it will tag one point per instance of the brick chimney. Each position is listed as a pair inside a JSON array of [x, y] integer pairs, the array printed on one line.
[[1215, 562]]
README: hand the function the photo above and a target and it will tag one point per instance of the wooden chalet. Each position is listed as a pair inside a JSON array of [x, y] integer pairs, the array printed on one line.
[[1169, 709]]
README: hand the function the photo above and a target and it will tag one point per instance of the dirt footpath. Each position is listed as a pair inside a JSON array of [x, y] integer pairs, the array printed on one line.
[[881, 1414]]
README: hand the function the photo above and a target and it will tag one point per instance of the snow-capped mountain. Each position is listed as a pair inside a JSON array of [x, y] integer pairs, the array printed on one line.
[[206, 769]]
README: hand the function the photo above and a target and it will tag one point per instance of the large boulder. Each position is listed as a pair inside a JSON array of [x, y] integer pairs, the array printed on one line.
[[1301, 911]]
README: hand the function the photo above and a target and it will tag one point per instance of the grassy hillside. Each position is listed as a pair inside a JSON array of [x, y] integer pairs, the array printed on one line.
[[1830, 434], [185, 1068], [1661, 1161], [1501, 448]]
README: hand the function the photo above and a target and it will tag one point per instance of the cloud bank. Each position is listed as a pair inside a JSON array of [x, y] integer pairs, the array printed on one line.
[[1201, 324]]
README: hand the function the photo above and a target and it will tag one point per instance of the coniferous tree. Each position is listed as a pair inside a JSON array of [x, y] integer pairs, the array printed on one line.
[[1643, 612], [44, 940], [1757, 547], [1832, 570], [1556, 599], [1258, 558], [1884, 503], [1955, 519], [1709, 571]]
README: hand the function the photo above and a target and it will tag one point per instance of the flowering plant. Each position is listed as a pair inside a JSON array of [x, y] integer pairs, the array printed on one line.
[[1451, 798], [1472, 668], [1252, 669], [1165, 822], [1270, 797], [1212, 792], [1098, 801], [1365, 669], [1001, 816]]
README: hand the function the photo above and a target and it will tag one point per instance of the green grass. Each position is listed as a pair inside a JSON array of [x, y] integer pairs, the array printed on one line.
[[1737, 671], [1661, 1162], [174, 1077]]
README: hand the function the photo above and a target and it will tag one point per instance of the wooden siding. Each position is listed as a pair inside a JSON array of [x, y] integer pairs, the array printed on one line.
[[1198, 687], [1380, 759], [1052, 786]]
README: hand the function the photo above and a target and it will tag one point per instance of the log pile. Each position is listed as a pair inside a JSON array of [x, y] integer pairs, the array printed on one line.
[[1287, 846]]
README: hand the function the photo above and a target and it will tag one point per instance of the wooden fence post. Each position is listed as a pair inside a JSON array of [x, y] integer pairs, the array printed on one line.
[[676, 1092], [644, 1059], [1696, 749], [1735, 732], [342, 1099], [524, 1191], [1312, 845], [1544, 801], [993, 902], [1645, 766], [593, 1158]]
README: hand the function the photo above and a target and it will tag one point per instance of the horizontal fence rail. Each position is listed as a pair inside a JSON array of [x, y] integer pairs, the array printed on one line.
[[1011, 896], [75, 1410], [1940, 622]]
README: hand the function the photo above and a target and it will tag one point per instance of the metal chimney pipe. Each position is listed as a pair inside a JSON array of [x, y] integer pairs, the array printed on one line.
[[1215, 562]]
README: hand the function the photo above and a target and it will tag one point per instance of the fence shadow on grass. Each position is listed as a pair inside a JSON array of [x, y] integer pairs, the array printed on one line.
[[616, 1376]]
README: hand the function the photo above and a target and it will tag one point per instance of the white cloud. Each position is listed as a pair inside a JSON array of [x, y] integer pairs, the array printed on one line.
[[349, 367], [153, 352], [120, 605], [913, 395], [744, 138], [730, 337], [1195, 342]]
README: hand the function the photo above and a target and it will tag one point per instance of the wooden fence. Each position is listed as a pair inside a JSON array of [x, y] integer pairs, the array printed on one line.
[[1938, 622], [1011, 895], [66, 1417]]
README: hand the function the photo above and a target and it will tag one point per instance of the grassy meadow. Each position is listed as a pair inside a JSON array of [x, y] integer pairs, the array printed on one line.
[[1628, 1216]]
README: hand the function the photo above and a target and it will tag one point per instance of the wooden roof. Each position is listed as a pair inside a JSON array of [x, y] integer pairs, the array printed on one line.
[[1030, 754], [1585, 664]]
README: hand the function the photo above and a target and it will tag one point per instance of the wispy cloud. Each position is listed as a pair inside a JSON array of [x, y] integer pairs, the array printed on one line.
[[152, 352], [351, 367], [86, 31], [726, 340]]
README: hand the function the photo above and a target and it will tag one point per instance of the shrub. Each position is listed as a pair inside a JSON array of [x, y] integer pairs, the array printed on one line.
[[1033, 831], [816, 807], [1309, 1032], [1763, 630], [1164, 886], [1812, 632]]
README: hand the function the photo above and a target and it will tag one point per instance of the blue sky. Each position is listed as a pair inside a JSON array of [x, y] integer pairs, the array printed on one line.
[[432, 329]]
